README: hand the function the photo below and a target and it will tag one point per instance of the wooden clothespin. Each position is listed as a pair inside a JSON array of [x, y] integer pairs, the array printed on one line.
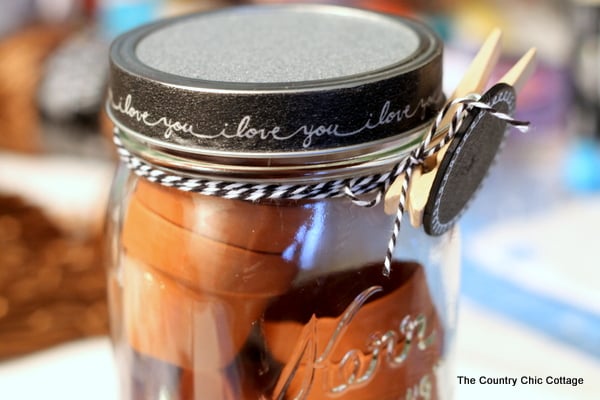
[[474, 81]]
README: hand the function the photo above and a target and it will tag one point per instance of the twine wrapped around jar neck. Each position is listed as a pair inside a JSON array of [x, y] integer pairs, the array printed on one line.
[[351, 187]]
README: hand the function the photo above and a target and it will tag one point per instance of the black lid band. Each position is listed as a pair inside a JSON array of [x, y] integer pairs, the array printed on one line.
[[205, 117], [274, 122]]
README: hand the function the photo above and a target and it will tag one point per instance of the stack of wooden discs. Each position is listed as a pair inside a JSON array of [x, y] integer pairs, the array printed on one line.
[[197, 274]]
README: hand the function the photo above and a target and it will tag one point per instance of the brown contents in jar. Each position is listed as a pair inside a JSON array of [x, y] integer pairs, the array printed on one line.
[[214, 309], [266, 228], [350, 335], [190, 297]]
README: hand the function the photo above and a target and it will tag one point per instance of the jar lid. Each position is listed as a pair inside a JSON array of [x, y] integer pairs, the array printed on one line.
[[276, 79]]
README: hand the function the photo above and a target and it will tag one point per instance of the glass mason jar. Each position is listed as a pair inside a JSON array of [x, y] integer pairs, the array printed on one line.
[[240, 268]]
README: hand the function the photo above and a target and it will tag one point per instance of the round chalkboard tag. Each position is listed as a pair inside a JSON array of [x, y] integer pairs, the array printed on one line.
[[468, 160]]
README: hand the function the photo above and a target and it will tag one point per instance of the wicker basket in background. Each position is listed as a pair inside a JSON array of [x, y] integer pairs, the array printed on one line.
[[52, 284]]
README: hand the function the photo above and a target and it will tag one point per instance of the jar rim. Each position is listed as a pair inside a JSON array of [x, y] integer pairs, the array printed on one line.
[[355, 161]]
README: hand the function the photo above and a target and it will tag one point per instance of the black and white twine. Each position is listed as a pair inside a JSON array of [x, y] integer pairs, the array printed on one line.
[[353, 188]]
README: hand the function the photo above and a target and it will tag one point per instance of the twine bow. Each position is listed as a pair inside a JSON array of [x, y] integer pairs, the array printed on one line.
[[420, 155]]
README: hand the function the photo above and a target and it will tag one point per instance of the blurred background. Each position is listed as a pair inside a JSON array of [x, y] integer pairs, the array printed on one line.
[[531, 278]]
